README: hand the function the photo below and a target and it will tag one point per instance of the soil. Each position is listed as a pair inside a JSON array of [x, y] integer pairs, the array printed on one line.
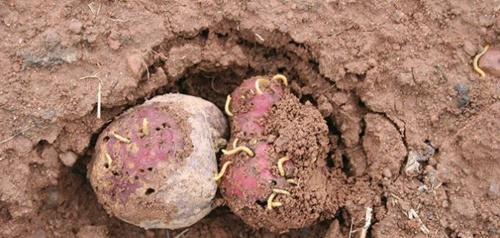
[[412, 127]]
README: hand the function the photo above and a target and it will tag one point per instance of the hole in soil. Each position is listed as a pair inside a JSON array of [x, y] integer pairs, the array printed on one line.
[[384, 201], [329, 160], [308, 98], [261, 203], [343, 217], [204, 34], [346, 165], [332, 126], [149, 191], [4, 212], [449, 232], [40, 146]]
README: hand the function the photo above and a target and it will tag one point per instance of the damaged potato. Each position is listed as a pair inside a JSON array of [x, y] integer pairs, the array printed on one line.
[[154, 165], [275, 178]]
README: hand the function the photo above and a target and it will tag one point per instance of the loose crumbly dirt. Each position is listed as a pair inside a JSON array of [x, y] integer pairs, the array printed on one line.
[[393, 79]]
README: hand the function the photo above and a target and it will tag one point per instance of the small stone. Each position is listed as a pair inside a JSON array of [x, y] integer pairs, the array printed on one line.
[[114, 44], [412, 165], [387, 173], [462, 95], [494, 190], [68, 158], [75, 26], [422, 188], [53, 198]]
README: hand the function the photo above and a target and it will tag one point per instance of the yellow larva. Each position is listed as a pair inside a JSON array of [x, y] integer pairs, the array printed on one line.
[[281, 191], [226, 107], [120, 138], [145, 127], [282, 78], [222, 171], [258, 82], [280, 165], [475, 63], [238, 149]]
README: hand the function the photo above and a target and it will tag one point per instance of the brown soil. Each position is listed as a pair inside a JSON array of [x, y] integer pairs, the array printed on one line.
[[411, 126]]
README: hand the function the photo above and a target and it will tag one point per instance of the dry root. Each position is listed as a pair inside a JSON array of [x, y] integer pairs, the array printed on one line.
[[368, 222]]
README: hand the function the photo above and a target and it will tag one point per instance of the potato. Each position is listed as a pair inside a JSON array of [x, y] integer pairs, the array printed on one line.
[[277, 129], [153, 166]]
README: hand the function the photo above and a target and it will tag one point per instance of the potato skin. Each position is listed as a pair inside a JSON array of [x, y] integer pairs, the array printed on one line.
[[250, 181], [163, 178], [274, 124]]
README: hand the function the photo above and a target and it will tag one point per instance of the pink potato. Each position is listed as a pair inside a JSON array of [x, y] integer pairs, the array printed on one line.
[[273, 125], [154, 165]]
